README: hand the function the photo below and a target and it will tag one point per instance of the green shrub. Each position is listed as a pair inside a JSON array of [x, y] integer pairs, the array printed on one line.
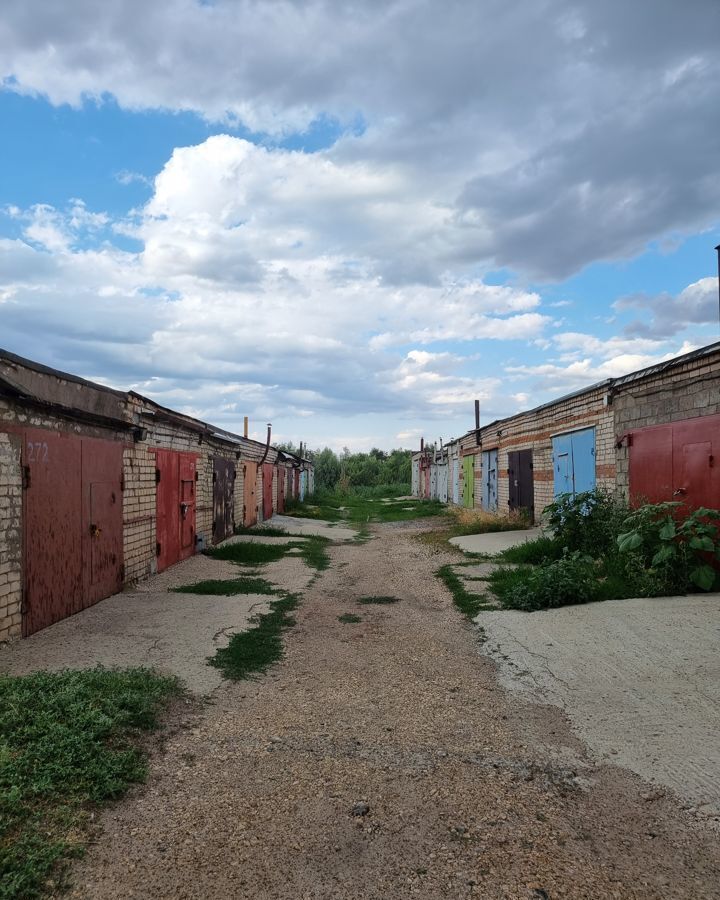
[[588, 522], [569, 580], [678, 553], [540, 550]]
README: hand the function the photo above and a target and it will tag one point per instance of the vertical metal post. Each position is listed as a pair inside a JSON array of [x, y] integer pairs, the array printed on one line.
[[718, 253]]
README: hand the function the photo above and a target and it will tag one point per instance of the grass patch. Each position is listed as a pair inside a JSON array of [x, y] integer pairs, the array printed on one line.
[[349, 618], [312, 549], [218, 587], [470, 521], [66, 745], [356, 508], [254, 651], [468, 603], [248, 553], [261, 530], [541, 549], [379, 599]]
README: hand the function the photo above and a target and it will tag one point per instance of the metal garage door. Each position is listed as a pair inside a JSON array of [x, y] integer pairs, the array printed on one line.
[[574, 462], [490, 473], [72, 524]]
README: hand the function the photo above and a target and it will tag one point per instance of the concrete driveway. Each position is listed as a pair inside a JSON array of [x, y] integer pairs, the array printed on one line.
[[638, 679], [493, 542], [152, 626]]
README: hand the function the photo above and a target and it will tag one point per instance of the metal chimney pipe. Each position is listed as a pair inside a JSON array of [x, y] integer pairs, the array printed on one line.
[[718, 253], [246, 424], [422, 444], [477, 422]]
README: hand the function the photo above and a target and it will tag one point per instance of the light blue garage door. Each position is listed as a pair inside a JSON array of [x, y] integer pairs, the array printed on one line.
[[574, 462]]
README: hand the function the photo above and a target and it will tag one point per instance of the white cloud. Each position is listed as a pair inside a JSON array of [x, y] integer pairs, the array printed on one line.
[[543, 131]]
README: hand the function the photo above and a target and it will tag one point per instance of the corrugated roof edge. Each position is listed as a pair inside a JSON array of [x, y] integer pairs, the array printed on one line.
[[610, 383], [19, 391], [48, 370]]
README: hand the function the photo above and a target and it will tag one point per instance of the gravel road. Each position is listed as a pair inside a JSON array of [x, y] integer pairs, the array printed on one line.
[[382, 759]]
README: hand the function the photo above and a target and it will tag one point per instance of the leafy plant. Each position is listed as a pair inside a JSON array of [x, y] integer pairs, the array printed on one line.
[[572, 579], [679, 551], [588, 521]]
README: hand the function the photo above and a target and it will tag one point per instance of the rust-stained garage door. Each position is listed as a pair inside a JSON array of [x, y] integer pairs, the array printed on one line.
[[102, 466], [267, 489], [679, 461], [223, 498], [175, 506], [249, 495], [72, 524]]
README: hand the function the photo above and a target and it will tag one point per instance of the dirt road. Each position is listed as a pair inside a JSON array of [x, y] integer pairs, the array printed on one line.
[[470, 792]]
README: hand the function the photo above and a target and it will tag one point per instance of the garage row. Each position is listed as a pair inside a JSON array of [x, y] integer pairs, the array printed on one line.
[[652, 435], [101, 488]]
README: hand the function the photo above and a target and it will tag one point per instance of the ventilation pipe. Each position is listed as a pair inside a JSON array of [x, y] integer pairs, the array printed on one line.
[[477, 423], [267, 445], [246, 424]]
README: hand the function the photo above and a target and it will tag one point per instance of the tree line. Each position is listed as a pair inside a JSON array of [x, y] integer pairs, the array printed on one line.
[[349, 470]]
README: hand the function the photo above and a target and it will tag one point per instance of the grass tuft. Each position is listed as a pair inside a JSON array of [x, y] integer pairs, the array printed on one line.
[[469, 604], [349, 618], [380, 599], [244, 585], [254, 651], [312, 549], [66, 743], [540, 550]]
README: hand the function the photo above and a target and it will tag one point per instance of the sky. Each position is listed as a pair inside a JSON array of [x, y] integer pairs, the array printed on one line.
[[352, 219]]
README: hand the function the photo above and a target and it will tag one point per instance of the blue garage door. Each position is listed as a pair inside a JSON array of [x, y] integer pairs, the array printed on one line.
[[574, 462]]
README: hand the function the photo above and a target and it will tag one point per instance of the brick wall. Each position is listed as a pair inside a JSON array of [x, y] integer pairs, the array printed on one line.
[[139, 513], [686, 391], [10, 536], [534, 431]]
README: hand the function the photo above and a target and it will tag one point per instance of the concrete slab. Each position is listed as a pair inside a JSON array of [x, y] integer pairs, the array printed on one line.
[[174, 633], [496, 541], [300, 526], [638, 679]]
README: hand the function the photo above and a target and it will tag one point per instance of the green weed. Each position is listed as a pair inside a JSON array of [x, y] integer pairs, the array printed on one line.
[[349, 618], [66, 744], [469, 604], [539, 550], [253, 651], [244, 585], [249, 553]]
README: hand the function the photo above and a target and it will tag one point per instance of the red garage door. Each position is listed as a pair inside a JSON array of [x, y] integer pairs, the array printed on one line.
[[175, 507], [678, 461], [72, 524]]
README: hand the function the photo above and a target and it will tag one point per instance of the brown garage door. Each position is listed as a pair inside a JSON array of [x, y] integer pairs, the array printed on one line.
[[72, 524]]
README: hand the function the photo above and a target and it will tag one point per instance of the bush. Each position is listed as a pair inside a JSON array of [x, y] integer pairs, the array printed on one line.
[[569, 580], [539, 550], [677, 554], [588, 522]]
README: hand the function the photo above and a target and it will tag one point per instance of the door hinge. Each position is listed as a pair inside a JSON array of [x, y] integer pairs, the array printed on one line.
[[25, 477]]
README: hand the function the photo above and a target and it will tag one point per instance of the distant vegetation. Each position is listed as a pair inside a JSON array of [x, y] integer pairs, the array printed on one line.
[[378, 468]]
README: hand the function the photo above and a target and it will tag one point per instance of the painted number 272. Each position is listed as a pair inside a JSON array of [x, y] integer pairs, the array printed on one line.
[[38, 451]]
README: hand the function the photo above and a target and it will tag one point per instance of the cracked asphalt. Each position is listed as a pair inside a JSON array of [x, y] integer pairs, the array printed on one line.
[[471, 791]]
